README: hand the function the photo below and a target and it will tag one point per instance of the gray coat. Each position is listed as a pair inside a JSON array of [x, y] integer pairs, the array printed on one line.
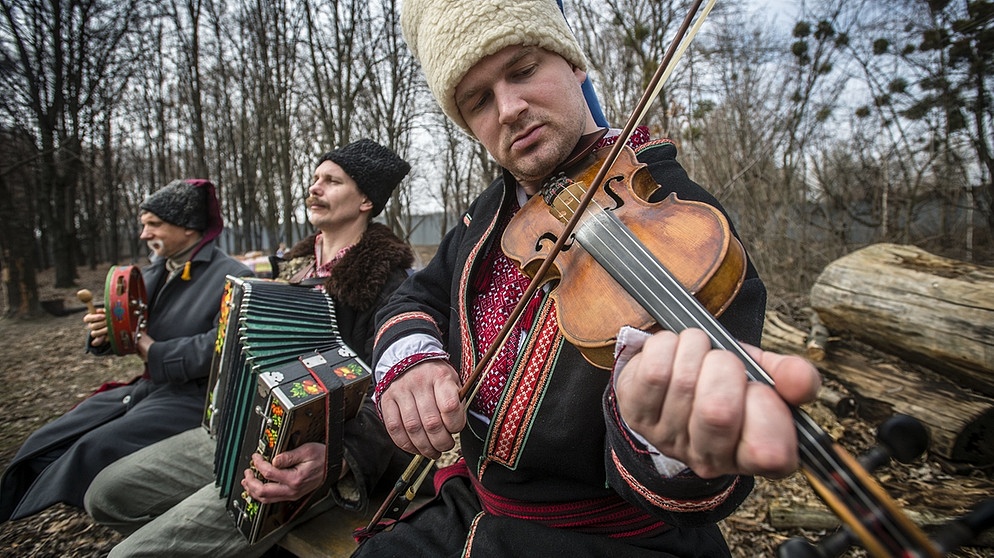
[[58, 461]]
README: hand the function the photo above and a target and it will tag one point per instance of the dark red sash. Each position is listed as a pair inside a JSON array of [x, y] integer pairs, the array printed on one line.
[[610, 516]]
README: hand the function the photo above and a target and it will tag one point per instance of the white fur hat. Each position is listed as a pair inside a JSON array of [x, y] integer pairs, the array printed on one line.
[[450, 36]]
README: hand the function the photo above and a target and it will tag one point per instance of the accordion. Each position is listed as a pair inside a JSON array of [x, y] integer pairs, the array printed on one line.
[[281, 376]]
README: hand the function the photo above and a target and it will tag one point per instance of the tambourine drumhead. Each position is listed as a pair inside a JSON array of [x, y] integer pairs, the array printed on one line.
[[126, 308]]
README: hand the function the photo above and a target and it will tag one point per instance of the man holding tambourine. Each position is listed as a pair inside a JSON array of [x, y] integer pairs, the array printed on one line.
[[174, 338]]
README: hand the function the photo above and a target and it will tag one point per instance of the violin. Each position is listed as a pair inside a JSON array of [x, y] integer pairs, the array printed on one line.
[[675, 264], [592, 304]]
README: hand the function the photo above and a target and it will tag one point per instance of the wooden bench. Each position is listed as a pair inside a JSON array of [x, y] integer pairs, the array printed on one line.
[[329, 535]]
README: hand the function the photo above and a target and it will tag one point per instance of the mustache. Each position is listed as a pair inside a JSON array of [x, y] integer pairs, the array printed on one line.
[[314, 200], [155, 245]]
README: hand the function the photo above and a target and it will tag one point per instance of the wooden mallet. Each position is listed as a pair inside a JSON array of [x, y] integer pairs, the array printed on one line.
[[86, 297]]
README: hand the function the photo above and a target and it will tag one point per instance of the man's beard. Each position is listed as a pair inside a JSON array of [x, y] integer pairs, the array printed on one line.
[[156, 247], [545, 158]]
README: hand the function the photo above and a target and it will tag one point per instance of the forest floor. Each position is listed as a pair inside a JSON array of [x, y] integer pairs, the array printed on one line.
[[44, 373]]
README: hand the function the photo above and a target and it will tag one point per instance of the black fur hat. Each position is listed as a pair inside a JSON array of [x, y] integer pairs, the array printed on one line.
[[376, 169], [181, 202]]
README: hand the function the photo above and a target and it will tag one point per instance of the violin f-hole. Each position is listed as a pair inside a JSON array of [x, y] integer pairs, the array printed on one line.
[[551, 238], [609, 190]]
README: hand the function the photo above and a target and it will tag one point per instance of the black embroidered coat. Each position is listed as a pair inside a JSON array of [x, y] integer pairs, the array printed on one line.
[[555, 438]]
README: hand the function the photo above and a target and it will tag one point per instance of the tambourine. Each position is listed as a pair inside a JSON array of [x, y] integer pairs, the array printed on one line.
[[126, 307]]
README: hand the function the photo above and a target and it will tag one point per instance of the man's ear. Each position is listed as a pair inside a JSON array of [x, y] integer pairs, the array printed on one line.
[[366, 205], [581, 76]]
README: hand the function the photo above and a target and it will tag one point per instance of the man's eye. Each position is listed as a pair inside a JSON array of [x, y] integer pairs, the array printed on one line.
[[481, 102], [526, 71]]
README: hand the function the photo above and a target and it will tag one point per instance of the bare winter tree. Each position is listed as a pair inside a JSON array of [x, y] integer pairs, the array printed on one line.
[[734, 134], [18, 253], [391, 102], [62, 54], [269, 43], [466, 170], [336, 34], [186, 18], [928, 70], [625, 41]]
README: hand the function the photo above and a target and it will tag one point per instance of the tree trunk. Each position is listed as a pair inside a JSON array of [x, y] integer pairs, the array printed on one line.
[[17, 250], [928, 309], [815, 516]]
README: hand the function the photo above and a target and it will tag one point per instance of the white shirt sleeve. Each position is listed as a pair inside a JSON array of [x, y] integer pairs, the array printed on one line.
[[402, 348]]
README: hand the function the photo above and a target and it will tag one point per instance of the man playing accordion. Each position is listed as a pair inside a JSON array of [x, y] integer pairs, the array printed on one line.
[[164, 498]]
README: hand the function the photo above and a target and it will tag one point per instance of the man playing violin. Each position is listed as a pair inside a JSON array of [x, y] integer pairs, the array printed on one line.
[[559, 457]]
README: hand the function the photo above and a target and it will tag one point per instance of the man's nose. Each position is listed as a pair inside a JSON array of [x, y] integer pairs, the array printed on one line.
[[510, 105]]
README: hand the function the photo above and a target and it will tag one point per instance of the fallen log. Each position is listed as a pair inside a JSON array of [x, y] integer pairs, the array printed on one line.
[[960, 421], [816, 517], [928, 309]]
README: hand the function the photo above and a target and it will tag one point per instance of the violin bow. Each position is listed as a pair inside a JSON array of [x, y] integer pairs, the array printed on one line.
[[406, 487]]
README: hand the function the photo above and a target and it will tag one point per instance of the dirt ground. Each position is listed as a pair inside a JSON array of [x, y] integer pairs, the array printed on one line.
[[45, 372]]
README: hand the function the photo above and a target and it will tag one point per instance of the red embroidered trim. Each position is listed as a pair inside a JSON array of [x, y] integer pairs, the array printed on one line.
[[625, 433], [640, 135], [467, 551], [493, 302], [653, 143], [403, 366], [469, 355], [669, 503], [514, 416], [423, 316]]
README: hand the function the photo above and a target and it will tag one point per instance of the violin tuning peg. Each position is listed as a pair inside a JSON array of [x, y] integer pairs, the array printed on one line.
[[905, 437], [900, 437], [797, 548], [964, 529]]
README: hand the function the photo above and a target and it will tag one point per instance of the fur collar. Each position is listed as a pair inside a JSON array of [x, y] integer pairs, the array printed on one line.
[[362, 272]]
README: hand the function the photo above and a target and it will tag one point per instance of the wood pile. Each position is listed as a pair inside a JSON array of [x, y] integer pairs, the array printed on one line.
[[960, 420], [933, 318], [896, 330]]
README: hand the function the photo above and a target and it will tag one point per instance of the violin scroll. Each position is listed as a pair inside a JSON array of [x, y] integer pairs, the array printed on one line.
[[903, 438], [946, 538]]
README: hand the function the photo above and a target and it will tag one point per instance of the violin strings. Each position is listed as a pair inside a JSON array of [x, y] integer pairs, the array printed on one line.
[[815, 444]]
